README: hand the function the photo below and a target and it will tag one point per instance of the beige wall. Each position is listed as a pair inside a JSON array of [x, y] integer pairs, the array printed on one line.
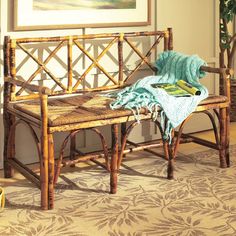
[[195, 32], [195, 25]]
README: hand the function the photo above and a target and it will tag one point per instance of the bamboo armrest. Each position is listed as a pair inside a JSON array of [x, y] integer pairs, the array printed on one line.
[[31, 87], [225, 73], [209, 69]]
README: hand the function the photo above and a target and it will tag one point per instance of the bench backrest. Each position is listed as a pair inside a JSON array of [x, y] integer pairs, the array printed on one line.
[[81, 63]]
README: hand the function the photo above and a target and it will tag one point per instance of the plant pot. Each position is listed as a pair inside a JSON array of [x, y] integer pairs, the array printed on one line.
[[233, 101], [2, 199]]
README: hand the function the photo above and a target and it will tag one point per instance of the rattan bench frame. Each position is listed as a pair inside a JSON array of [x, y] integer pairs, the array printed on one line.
[[49, 171]]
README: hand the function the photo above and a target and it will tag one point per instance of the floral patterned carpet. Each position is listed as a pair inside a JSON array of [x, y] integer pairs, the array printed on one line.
[[201, 200]]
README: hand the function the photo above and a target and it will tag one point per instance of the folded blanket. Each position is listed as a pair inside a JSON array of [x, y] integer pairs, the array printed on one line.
[[172, 66]]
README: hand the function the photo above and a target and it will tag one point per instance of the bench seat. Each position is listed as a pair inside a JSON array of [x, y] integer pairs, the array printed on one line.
[[86, 108]]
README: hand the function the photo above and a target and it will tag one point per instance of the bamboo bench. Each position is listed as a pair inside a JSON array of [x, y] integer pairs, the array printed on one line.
[[67, 96]]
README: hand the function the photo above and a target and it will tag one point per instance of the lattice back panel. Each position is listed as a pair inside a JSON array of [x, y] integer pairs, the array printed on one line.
[[82, 63]]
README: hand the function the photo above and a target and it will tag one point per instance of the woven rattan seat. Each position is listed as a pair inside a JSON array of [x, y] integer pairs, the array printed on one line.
[[75, 109], [85, 107], [214, 99]]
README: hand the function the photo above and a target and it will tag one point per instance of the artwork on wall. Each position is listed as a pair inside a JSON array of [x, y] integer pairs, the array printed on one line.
[[61, 14]]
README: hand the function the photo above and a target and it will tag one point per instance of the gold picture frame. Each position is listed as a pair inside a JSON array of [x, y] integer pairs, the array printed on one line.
[[26, 18]]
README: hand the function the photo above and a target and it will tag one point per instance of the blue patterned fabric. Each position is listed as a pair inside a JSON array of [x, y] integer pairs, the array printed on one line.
[[172, 66]]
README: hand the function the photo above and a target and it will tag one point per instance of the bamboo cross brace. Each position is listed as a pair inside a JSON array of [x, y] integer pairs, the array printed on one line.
[[42, 65], [51, 55], [95, 62], [144, 58], [25, 59]]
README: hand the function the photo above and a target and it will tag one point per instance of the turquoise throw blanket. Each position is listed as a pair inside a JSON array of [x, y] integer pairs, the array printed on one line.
[[172, 66]]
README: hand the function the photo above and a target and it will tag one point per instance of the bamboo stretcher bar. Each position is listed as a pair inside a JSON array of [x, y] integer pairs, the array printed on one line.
[[64, 38], [185, 140], [145, 146], [85, 157], [87, 36], [201, 141], [24, 170], [79, 152], [99, 163], [92, 156], [145, 33], [140, 148], [152, 144], [95, 155]]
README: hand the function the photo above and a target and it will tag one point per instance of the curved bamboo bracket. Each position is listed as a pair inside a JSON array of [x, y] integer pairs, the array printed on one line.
[[63, 146], [11, 136]]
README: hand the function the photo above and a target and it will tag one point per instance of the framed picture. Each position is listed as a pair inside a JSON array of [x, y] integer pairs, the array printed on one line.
[[61, 14]]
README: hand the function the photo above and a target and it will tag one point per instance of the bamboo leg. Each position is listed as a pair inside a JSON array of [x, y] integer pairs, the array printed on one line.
[[170, 167], [59, 160], [223, 138], [8, 120], [44, 173], [165, 148], [165, 142], [227, 137], [114, 159], [9, 144], [44, 155], [177, 143], [123, 133], [72, 148], [50, 171], [104, 146]]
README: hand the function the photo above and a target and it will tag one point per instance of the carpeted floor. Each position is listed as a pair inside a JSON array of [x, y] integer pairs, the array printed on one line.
[[201, 200]]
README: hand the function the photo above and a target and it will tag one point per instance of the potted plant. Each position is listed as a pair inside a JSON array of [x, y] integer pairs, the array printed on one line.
[[228, 45]]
